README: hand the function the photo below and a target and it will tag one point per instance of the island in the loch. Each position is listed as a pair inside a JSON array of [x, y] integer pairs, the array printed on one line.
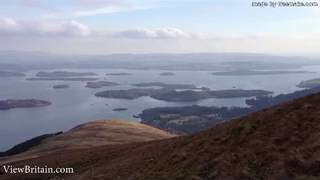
[[120, 109], [166, 85], [151, 89], [190, 119], [126, 94], [61, 86], [255, 72], [25, 103], [100, 84], [190, 95], [312, 83], [11, 74], [118, 74], [62, 79], [167, 74], [173, 95], [64, 74]]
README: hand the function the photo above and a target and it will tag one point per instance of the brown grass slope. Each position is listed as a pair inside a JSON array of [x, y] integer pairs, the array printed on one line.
[[282, 143], [93, 134]]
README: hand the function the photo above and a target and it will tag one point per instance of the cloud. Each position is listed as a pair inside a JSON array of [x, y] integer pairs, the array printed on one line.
[[8, 25], [87, 8], [84, 8], [12, 27], [172, 33], [18, 28], [162, 33], [107, 10], [99, 3]]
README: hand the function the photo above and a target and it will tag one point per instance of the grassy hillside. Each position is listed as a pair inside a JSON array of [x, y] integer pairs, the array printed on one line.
[[90, 135]]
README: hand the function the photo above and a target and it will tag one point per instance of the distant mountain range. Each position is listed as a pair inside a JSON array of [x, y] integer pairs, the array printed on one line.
[[15, 60]]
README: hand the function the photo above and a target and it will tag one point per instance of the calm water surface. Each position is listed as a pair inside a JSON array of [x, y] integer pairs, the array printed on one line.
[[78, 104]]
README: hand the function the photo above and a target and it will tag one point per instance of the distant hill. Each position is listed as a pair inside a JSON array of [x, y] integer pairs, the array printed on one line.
[[281, 142], [88, 135]]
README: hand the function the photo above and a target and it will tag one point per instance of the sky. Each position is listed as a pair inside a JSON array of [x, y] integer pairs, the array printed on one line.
[[157, 26]]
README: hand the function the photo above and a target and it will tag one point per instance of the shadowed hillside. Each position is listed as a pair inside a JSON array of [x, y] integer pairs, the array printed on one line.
[[282, 142], [25, 146]]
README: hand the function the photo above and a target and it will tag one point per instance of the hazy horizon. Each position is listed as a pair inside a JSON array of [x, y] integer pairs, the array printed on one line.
[[307, 55]]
